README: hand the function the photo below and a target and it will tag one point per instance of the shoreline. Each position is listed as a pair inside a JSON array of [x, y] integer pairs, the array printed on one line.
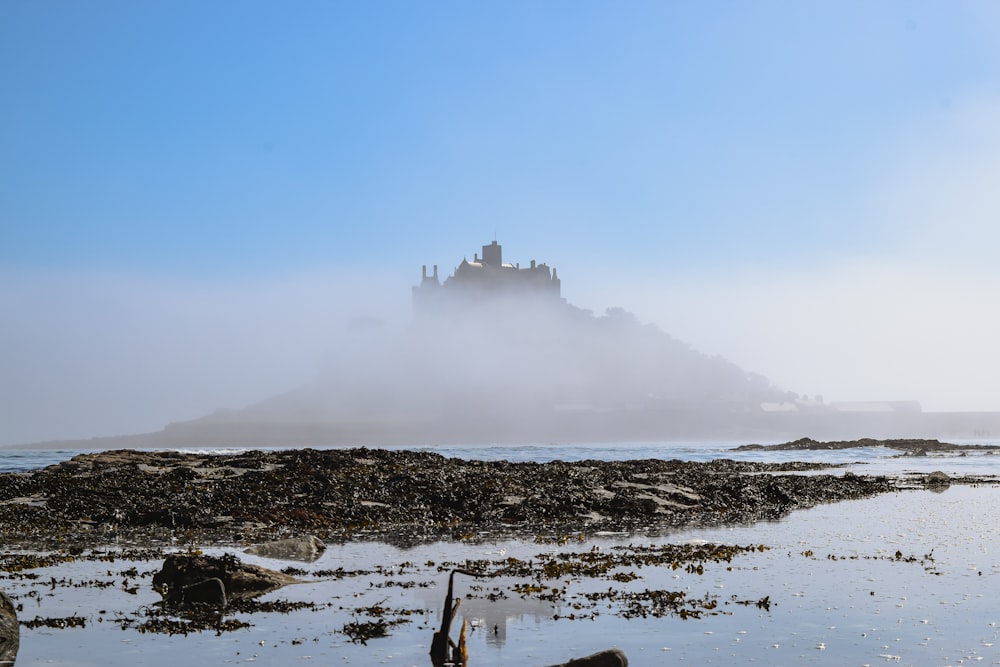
[[365, 600], [687, 423], [677, 543]]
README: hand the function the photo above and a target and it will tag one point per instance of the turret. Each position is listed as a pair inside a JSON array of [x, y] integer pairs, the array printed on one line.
[[493, 254]]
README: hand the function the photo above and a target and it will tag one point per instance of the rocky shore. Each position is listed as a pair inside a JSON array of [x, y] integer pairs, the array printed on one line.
[[398, 496], [153, 513], [905, 446]]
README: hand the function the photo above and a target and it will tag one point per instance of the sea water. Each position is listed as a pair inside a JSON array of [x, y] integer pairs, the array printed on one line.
[[861, 460], [902, 578]]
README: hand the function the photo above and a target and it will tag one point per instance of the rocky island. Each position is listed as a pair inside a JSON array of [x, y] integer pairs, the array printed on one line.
[[905, 446]]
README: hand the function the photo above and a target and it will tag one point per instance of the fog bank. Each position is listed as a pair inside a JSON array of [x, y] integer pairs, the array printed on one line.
[[89, 354]]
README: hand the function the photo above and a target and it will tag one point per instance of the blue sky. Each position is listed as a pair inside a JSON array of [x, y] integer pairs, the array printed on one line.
[[804, 188]]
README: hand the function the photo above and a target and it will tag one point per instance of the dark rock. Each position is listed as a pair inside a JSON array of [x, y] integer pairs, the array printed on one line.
[[305, 549], [238, 579], [9, 631], [610, 658], [937, 478], [211, 591]]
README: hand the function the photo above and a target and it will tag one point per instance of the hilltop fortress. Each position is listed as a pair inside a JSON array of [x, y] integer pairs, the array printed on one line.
[[495, 354], [485, 276]]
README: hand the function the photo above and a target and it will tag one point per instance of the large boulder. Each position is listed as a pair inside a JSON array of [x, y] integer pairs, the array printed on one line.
[[10, 631], [238, 579], [306, 549]]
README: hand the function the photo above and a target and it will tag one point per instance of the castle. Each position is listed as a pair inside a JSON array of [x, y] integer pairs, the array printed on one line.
[[485, 277]]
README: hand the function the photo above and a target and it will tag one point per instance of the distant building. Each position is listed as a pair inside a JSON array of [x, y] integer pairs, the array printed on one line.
[[845, 407], [483, 278], [910, 407]]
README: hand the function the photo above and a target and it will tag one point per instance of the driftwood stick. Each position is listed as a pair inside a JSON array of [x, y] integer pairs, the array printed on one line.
[[441, 643]]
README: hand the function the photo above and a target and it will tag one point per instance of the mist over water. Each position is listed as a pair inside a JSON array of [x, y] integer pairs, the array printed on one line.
[[103, 354], [340, 351], [89, 354], [510, 365], [808, 193]]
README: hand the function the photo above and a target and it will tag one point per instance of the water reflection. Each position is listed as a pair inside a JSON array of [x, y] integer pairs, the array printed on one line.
[[904, 575], [489, 607]]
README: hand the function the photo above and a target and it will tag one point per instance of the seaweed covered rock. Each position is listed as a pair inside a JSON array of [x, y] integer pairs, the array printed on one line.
[[9, 631], [937, 479], [306, 549], [188, 577]]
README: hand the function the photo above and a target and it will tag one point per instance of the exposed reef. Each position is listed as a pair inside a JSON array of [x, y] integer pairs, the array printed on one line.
[[907, 446], [170, 500], [399, 496]]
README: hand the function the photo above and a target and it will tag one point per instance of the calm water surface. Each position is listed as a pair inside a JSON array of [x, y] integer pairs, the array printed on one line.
[[839, 594], [873, 460]]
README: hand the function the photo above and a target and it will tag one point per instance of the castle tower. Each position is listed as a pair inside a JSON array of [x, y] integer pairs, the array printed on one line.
[[493, 254]]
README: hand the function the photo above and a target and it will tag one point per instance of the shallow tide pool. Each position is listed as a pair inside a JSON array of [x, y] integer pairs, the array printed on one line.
[[908, 578]]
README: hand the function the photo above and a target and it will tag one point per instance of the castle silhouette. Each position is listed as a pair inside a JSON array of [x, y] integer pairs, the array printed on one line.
[[485, 277]]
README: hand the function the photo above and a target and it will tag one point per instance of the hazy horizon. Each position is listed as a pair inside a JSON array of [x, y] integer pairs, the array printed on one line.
[[196, 200]]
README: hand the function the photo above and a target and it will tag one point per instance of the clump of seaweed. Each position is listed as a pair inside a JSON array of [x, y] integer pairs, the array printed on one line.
[[56, 623], [361, 631]]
